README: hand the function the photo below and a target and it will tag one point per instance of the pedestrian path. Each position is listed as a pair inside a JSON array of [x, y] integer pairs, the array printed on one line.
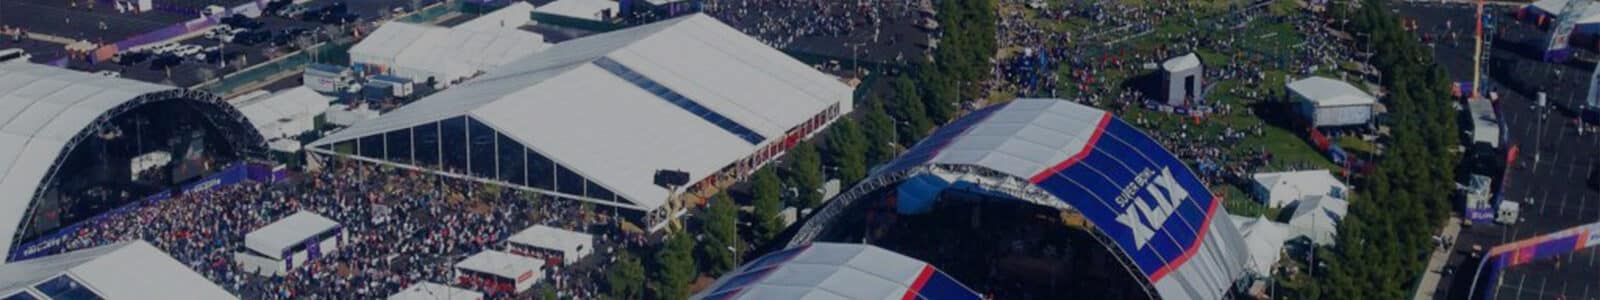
[[1436, 262]]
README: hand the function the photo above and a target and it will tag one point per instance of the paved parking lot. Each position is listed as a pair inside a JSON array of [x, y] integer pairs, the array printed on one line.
[[1552, 166], [60, 18]]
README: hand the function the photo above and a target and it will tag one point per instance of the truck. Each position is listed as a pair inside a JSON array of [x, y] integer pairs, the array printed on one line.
[[403, 87], [327, 79]]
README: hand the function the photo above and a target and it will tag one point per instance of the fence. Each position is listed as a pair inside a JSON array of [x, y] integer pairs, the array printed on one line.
[[328, 52]]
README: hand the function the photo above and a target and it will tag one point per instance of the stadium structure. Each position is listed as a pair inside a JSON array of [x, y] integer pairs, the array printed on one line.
[[69, 141], [1039, 196], [837, 271], [598, 119]]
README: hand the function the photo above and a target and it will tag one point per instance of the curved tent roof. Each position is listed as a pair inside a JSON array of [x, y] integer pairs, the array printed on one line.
[[125, 270], [1066, 155], [44, 111], [836, 271]]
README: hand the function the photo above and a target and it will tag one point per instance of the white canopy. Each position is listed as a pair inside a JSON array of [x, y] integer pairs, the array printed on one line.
[[573, 245], [1180, 63], [126, 270], [512, 16], [433, 291], [285, 114], [1327, 92], [418, 51], [581, 9], [1265, 240], [504, 265], [1318, 218], [285, 233], [1284, 188], [835, 271]]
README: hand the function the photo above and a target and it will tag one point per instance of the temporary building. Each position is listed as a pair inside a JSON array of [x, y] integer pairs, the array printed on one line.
[[434, 291], [1265, 240], [123, 271], [597, 118], [1280, 189], [1329, 102], [290, 242], [446, 55], [495, 271], [1184, 80], [1317, 218], [569, 246], [286, 114]]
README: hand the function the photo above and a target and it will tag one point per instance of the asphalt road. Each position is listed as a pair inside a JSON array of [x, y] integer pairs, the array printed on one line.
[[1553, 163]]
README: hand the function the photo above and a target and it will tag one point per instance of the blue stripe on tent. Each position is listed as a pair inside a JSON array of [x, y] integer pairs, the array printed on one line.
[[931, 145], [679, 100], [941, 287]]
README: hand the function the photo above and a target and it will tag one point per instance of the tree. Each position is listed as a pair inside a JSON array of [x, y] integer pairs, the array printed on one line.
[[909, 110], [625, 280], [676, 268], [805, 172], [721, 224], [879, 131], [847, 150], [768, 205]]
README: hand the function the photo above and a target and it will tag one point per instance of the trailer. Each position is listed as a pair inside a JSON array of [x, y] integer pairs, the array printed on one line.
[[327, 79], [403, 87]]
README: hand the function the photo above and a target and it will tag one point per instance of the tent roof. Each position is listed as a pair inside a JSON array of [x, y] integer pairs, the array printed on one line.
[[126, 270], [41, 109], [1265, 239], [582, 103], [1485, 122], [458, 52], [1061, 154], [836, 271], [501, 264], [272, 239], [582, 9], [1185, 62], [551, 238], [1284, 188], [434, 291], [1330, 92], [267, 111], [512, 16]]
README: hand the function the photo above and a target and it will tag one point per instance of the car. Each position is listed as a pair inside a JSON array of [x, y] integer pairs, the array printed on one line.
[[252, 37], [187, 50], [339, 19], [131, 58], [241, 21], [292, 11], [165, 60], [217, 57], [109, 73], [164, 48], [218, 31]]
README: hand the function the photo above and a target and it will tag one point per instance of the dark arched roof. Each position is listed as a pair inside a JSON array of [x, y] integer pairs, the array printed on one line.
[[1060, 154], [46, 111]]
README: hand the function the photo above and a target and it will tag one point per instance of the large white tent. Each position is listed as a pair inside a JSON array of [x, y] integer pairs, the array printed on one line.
[[46, 111], [420, 52], [272, 239], [595, 119], [836, 271], [126, 270]]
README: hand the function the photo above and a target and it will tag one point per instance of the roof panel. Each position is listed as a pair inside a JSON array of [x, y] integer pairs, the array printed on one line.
[[826, 271]]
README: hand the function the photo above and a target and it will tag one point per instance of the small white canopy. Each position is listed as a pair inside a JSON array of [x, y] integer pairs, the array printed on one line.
[[1265, 241], [572, 245], [505, 265], [1318, 218], [434, 291], [285, 233]]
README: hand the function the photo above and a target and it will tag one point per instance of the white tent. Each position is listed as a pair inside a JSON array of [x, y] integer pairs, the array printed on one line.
[[126, 270], [1331, 102], [608, 111], [1317, 218], [581, 9], [525, 271], [512, 16], [1280, 189], [1264, 238], [572, 245], [419, 52], [285, 114], [287, 232], [434, 291]]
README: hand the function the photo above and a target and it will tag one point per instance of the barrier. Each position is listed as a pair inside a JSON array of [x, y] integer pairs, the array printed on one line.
[[55, 242], [1532, 249]]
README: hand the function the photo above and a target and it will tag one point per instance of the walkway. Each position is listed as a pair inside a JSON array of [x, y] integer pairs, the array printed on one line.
[[1436, 262]]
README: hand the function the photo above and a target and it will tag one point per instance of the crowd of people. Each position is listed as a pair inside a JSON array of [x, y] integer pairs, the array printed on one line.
[[1098, 67], [403, 227]]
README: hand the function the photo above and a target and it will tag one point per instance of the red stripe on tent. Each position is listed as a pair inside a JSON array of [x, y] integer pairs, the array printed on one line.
[[1105, 118], [922, 279], [1199, 238]]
